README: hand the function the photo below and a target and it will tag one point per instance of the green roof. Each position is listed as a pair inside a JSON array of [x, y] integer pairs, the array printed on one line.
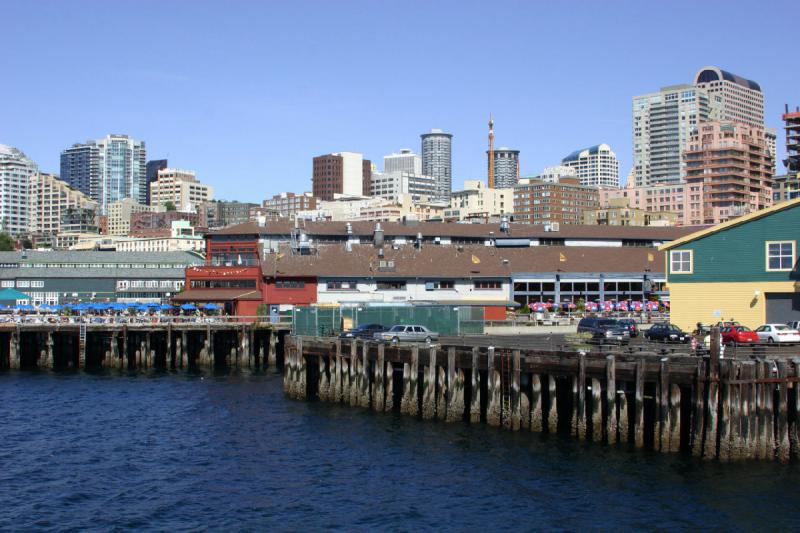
[[12, 294]]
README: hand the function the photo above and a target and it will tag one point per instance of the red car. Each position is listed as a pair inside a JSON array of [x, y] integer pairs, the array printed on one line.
[[738, 335]]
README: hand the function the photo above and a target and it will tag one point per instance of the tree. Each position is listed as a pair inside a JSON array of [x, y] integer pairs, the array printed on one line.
[[169, 205], [6, 242], [26, 243]]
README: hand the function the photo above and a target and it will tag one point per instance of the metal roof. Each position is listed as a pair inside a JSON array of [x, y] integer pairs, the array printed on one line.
[[70, 256]]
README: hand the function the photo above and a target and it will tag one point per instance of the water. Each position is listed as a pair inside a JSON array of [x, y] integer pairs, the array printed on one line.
[[185, 453]]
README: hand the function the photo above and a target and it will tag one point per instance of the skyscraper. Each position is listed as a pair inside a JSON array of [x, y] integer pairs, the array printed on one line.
[[505, 168], [437, 161], [732, 98], [596, 166], [791, 120], [662, 124], [345, 173], [152, 173], [107, 169], [15, 172]]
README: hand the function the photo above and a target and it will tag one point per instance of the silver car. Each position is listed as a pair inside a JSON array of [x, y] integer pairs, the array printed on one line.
[[404, 333]]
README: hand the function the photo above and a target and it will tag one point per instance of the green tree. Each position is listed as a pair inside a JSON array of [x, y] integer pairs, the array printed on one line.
[[6, 243], [169, 205]]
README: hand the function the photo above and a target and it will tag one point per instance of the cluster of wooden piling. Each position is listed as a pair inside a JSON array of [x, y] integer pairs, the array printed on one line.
[[712, 408], [234, 345]]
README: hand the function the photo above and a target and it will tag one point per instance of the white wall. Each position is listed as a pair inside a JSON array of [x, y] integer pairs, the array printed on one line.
[[367, 291], [352, 172]]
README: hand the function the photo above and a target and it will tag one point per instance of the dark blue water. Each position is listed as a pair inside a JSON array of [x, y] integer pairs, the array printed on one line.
[[184, 453]]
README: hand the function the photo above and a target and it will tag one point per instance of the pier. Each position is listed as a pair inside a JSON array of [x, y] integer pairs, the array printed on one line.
[[710, 407], [136, 346]]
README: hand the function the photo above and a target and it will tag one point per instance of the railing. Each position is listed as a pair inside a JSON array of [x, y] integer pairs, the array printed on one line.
[[141, 320]]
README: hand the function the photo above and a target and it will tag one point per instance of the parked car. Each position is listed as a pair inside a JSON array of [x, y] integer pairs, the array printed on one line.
[[666, 333], [364, 331], [407, 333], [777, 333], [738, 335], [794, 325], [630, 323], [604, 329]]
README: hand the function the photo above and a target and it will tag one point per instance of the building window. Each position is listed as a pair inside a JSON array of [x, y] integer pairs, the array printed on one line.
[[681, 262], [780, 255], [290, 284], [7, 283], [341, 285], [440, 285], [23, 284], [488, 285], [391, 285]]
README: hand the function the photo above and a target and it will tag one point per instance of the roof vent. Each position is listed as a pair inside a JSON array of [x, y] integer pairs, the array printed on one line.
[[418, 242], [380, 252], [349, 228], [378, 236], [504, 227]]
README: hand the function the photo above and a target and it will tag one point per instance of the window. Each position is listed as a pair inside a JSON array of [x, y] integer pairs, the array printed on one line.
[[341, 285], [7, 283], [223, 284], [780, 255], [290, 284], [391, 285], [37, 283], [680, 262], [488, 284], [23, 284], [439, 285]]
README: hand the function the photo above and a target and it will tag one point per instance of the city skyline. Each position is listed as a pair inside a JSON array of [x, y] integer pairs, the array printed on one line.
[[203, 105]]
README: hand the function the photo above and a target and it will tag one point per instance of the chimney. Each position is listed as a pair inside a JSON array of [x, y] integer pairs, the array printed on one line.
[[378, 236], [418, 244]]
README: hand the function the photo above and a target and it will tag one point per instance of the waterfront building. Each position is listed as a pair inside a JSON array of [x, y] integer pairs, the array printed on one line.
[[728, 172], [63, 277], [506, 167], [15, 172], [107, 170], [555, 173], [403, 161], [743, 269], [120, 212], [181, 188], [618, 212], [391, 185], [288, 204], [437, 161], [151, 171], [541, 202], [345, 173], [662, 124], [733, 98], [476, 201], [596, 166], [49, 199], [180, 236]]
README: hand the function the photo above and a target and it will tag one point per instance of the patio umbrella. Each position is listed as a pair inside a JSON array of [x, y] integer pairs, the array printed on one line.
[[166, 307], [153, 304], [24, 307], [538, 307], [608, 306], [637, 306], [653, 306], [211, 307], [188, 307], [622, 306]]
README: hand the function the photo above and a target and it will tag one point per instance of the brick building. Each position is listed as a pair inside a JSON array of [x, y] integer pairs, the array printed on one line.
[[540, 202]]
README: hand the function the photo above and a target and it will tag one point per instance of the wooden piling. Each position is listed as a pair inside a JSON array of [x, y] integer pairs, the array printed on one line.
[[515, 390], [389, 403], [272, 354], [748, 409], [323, 382], [794, 411], [662, 407], [114, 349], [724, 423], [475, 400], [493, 412], [303, 375], [409, 404], [50, 361], [611, 400], [344, 380], [441, 394], [552, 405], [710, 440], [168, 356], [184, 357], [579, 392], [429, 386], [536, 403], [354, 385], [759, 431], [638, 415], [455, 388], [378, 381], [336, 379], [698, 409], [736, 444], [597, 411], [781, 411], [365, 376], [769, 413], [674, 439]]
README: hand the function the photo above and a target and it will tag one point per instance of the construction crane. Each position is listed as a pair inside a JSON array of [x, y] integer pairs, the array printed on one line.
[[491, 152]]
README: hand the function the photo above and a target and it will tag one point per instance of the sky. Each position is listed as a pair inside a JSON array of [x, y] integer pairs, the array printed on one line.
[[247, 92]]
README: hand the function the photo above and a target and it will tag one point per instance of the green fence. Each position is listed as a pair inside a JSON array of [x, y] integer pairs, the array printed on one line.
[[444, 319]]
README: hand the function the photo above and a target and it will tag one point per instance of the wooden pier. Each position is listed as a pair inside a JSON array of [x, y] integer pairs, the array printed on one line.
[[709, 407], [168, 346]]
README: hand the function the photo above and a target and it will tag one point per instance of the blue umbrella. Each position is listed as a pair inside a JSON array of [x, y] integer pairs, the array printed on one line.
[[165, 307], [152, 304], [188, 307], [25, 307], [211, 307]]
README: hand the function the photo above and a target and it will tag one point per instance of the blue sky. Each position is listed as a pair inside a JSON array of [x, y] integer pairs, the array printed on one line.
[[246, 93]]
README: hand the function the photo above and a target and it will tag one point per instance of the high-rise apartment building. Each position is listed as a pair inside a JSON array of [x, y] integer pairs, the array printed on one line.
[[555, 173], [596, 166], [541, 202], [791, 122], [437, 161], [48, 199], [15, 172], [506, 167], [732, 97], [662, 124], [108, 169], [181, 188], [287, 204], [120, 212], [345, 173], [151, 171], [477, 202], [391, 185], [728, 172], [404, 161]]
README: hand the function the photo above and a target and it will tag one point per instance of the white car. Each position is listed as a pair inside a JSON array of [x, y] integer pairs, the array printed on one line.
[[778, 333]]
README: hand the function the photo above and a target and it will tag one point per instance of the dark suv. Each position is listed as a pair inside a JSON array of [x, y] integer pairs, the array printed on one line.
[[604, 329], [629, 323]]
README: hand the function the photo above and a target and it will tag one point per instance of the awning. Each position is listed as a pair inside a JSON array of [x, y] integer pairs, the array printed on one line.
[[217, 295]]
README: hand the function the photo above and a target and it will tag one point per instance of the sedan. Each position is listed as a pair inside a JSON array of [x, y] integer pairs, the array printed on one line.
[[364, 331], [405, 333], [738, 335], [666, 333], [778, 333]]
